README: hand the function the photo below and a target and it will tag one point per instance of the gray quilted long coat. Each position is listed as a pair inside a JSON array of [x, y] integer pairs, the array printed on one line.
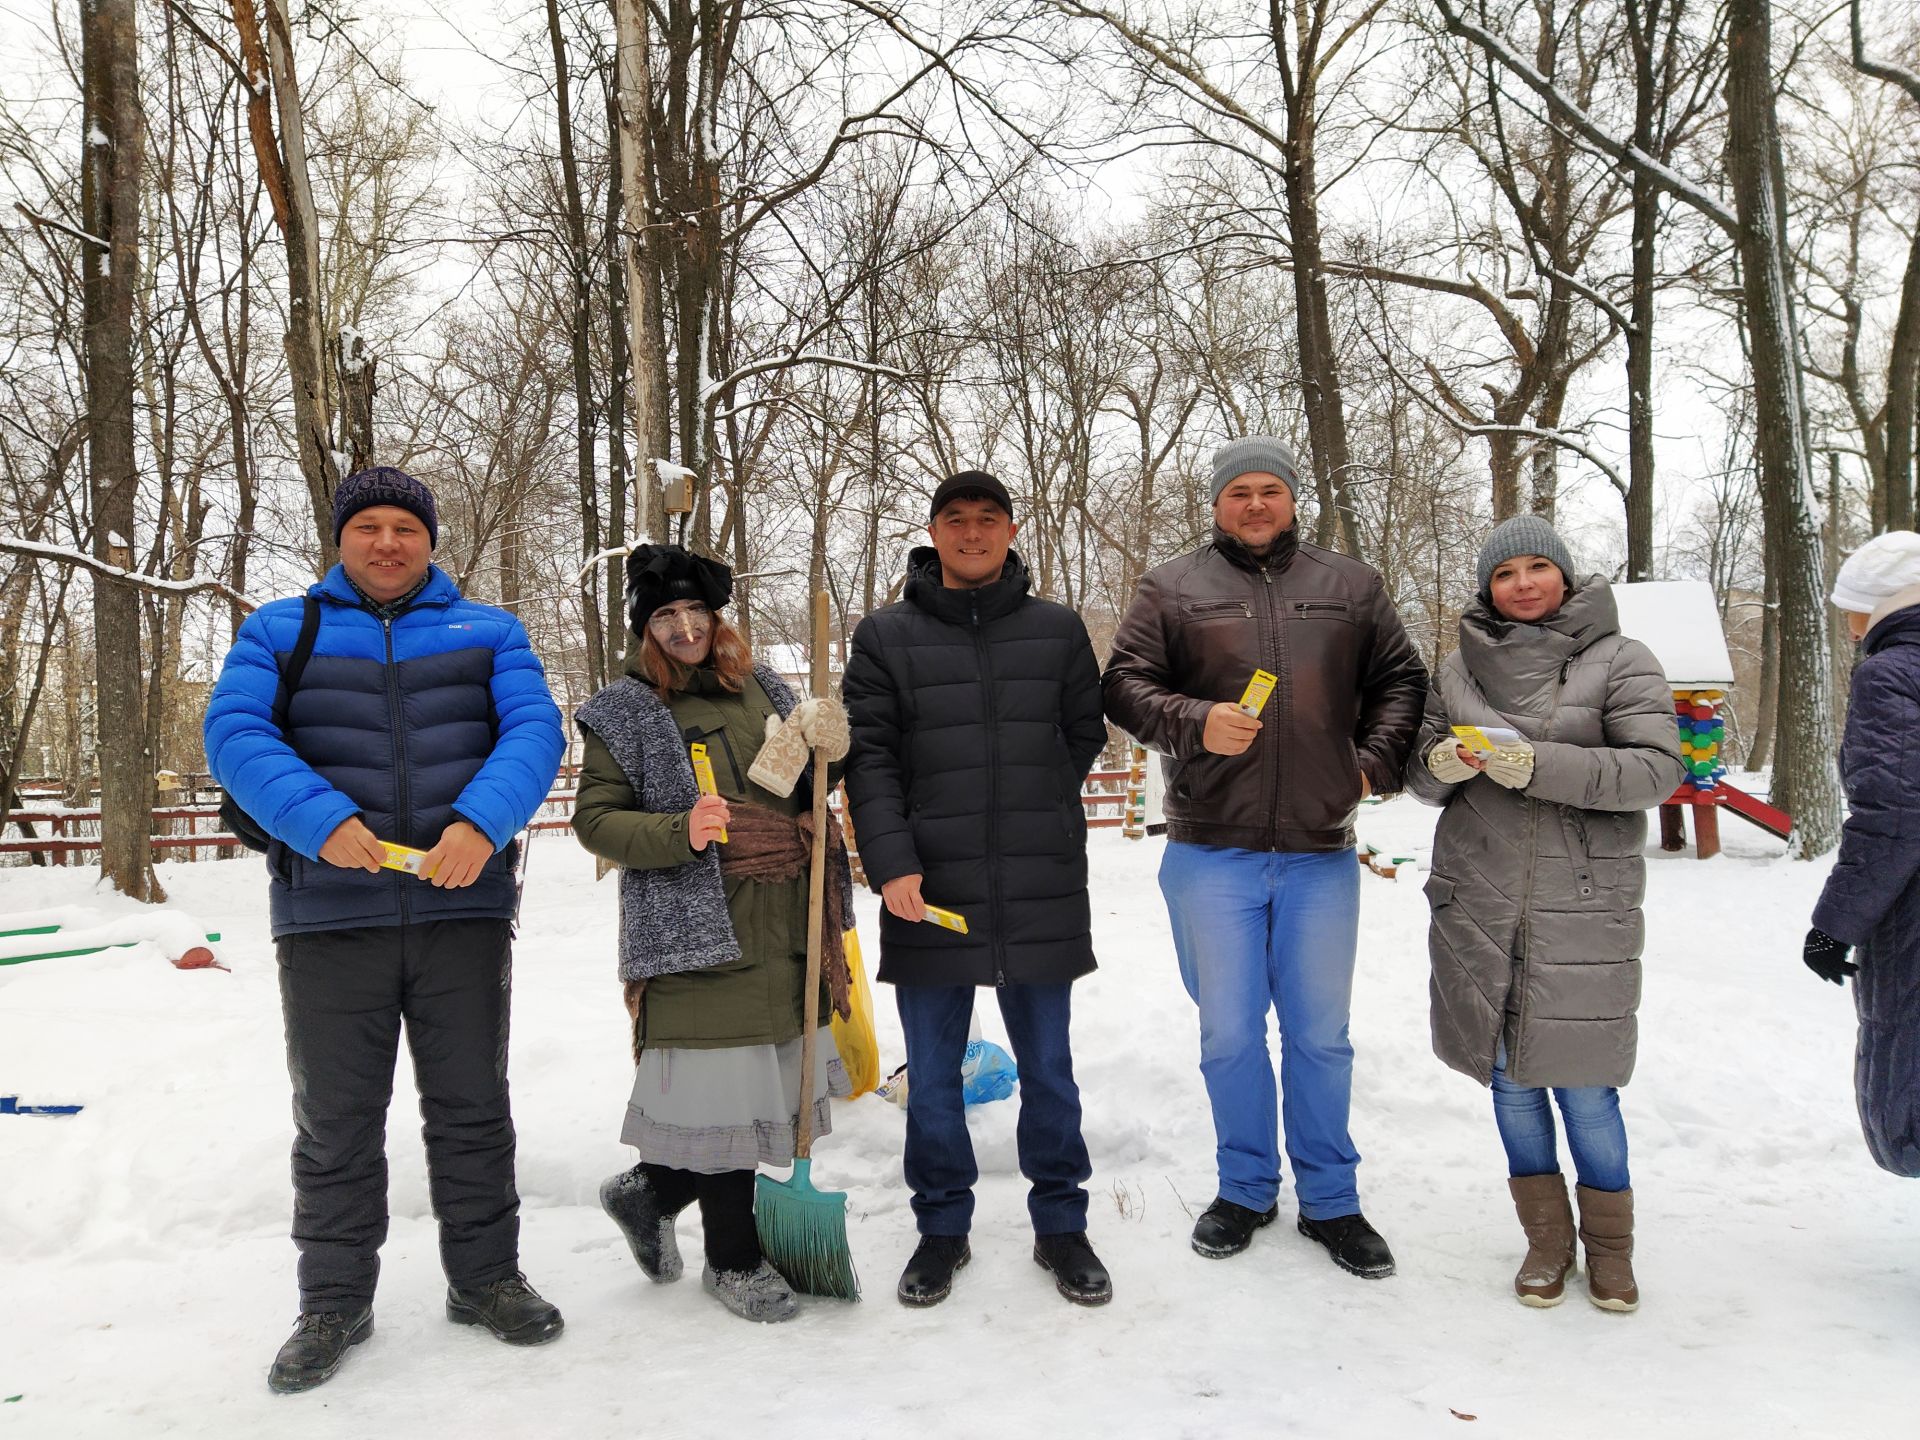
[[1536, 929]]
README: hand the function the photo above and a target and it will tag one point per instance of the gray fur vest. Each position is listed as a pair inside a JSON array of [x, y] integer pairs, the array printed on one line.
[[675, 920]]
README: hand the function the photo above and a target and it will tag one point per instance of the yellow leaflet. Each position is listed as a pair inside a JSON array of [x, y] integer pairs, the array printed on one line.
[[403, 857], [1490, 740], [703, 774], [947, 919], [1254, 698]]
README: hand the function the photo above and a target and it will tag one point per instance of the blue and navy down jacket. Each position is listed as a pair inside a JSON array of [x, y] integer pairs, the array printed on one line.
[[1872, 898], [441, 713]]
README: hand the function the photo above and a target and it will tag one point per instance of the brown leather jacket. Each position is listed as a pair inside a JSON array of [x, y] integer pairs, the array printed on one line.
[[1349, 700]]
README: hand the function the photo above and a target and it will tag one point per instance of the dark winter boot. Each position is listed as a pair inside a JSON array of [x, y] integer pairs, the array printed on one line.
[[1547, 1218], [761, 1293], [1225, 1228], [1606, 1230], [1077, 1271], [1354, 1244], [316, 1347], [509, 1308], [635, 1201], [928, 1278]]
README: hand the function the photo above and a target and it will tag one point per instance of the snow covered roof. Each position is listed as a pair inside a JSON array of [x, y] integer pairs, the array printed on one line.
[[1679, 621], [786, 659]]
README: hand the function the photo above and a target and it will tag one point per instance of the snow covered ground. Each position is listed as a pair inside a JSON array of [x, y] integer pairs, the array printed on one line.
[[148, 1277]]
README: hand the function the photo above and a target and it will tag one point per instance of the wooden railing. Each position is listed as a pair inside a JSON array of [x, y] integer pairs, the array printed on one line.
[[184, 830]]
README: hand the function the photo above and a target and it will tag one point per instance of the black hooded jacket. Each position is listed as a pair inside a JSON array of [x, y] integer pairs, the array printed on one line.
[[976, 716]]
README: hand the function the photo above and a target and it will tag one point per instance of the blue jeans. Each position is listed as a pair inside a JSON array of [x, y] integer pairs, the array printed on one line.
[[1258, 931], [939, 1161], [1596, 1134]]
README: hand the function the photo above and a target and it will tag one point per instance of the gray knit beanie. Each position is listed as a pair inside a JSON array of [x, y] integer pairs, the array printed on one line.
[[1256, 452], [1522, 535]]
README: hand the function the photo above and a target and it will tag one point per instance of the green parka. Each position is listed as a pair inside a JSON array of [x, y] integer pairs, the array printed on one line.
[[754, 1000]]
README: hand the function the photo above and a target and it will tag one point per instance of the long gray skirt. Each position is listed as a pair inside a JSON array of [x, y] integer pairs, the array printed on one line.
[[729, 1109]]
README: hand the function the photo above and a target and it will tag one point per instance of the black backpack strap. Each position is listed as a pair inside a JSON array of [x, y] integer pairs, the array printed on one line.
[[296, 665]]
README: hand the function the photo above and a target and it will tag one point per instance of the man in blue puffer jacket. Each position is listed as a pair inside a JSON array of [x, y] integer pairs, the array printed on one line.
[[420, 718]]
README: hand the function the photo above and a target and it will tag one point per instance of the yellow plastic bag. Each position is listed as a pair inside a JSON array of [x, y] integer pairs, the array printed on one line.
[[859, 1046]]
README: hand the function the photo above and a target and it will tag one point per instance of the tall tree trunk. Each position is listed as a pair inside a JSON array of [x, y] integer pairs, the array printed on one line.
[[112, 151], [1806, 779], [306, 350], [1643, 30], [646, 336], [353, 370], [1903, 395], [1767, 702], [1641, 312], [619, 464], [1319, 353], [580, 322]]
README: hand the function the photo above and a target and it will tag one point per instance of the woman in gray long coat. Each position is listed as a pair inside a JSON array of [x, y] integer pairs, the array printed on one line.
[[1536, 885]]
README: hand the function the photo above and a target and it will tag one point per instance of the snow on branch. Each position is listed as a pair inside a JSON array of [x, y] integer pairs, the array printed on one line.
[[1906, 79], [80, 560], [60, 225], [1582, 125], [714, 388]]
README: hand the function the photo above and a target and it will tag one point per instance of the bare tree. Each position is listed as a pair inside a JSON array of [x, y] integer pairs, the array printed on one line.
[[1806, 780]]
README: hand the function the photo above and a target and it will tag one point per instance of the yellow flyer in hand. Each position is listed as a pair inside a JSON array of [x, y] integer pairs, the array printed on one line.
[[1259, 689], [403, 857], [947, 919], [703, 774], [1489, 739]]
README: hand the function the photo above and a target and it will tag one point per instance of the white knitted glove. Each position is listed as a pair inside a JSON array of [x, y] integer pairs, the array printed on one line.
[[1445, 762], [790, 744], [1511, 766], [824, 724]]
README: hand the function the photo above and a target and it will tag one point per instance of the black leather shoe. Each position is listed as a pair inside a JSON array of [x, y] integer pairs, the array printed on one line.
[[1353, 1243], [1225, 1228], [509, 1308], [316, 1347], [1077, 1271], [928, 1278]]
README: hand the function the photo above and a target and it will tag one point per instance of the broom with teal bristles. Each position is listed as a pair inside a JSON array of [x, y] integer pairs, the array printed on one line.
[[803, 1231]]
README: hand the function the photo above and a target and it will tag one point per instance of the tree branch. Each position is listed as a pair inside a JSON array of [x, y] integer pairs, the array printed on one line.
[[79, 559], [1583, 126]]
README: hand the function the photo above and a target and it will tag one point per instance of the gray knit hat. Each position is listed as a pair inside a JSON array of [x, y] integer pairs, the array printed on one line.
[[1256, 452], [1522, 535]]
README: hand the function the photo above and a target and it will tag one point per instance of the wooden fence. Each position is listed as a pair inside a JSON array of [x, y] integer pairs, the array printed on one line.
[[182, 831]]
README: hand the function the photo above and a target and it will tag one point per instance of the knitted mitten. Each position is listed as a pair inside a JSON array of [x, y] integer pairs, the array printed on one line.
[[1445, 762]]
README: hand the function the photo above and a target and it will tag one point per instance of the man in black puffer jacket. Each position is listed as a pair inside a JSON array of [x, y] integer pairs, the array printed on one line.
[[976, 716]]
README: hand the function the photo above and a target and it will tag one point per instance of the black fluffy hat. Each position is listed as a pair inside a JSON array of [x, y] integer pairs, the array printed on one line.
[[661, 574]]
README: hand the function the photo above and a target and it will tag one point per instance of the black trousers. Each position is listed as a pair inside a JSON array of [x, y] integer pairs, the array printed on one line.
[[726, 1211], [343, 996]]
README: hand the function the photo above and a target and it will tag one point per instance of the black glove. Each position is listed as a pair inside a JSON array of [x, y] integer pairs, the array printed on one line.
[[1827, 957]]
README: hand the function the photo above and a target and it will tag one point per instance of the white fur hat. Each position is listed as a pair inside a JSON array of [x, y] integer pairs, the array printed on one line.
[[1877, 571]]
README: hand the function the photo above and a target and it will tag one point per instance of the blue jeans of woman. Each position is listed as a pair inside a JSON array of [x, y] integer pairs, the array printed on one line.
[[1596, 1135]]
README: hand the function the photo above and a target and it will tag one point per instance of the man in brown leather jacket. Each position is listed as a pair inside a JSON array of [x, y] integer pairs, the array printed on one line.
[[1259, 875]]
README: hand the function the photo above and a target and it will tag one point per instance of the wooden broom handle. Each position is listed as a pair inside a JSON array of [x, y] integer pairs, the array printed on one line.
[[816, 901]]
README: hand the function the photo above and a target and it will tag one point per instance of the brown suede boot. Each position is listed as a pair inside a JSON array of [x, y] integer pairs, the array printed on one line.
[[1606, 1229], [1548, 1220]]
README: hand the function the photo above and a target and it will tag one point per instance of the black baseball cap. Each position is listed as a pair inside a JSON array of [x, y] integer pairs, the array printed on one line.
[[970, 485]]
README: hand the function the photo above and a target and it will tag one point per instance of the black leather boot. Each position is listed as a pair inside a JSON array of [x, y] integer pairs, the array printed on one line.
[[928, 1278], [1225, 1228], [316, 1347], [1353, 1243], [510, 1308], [1077, 1271]]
